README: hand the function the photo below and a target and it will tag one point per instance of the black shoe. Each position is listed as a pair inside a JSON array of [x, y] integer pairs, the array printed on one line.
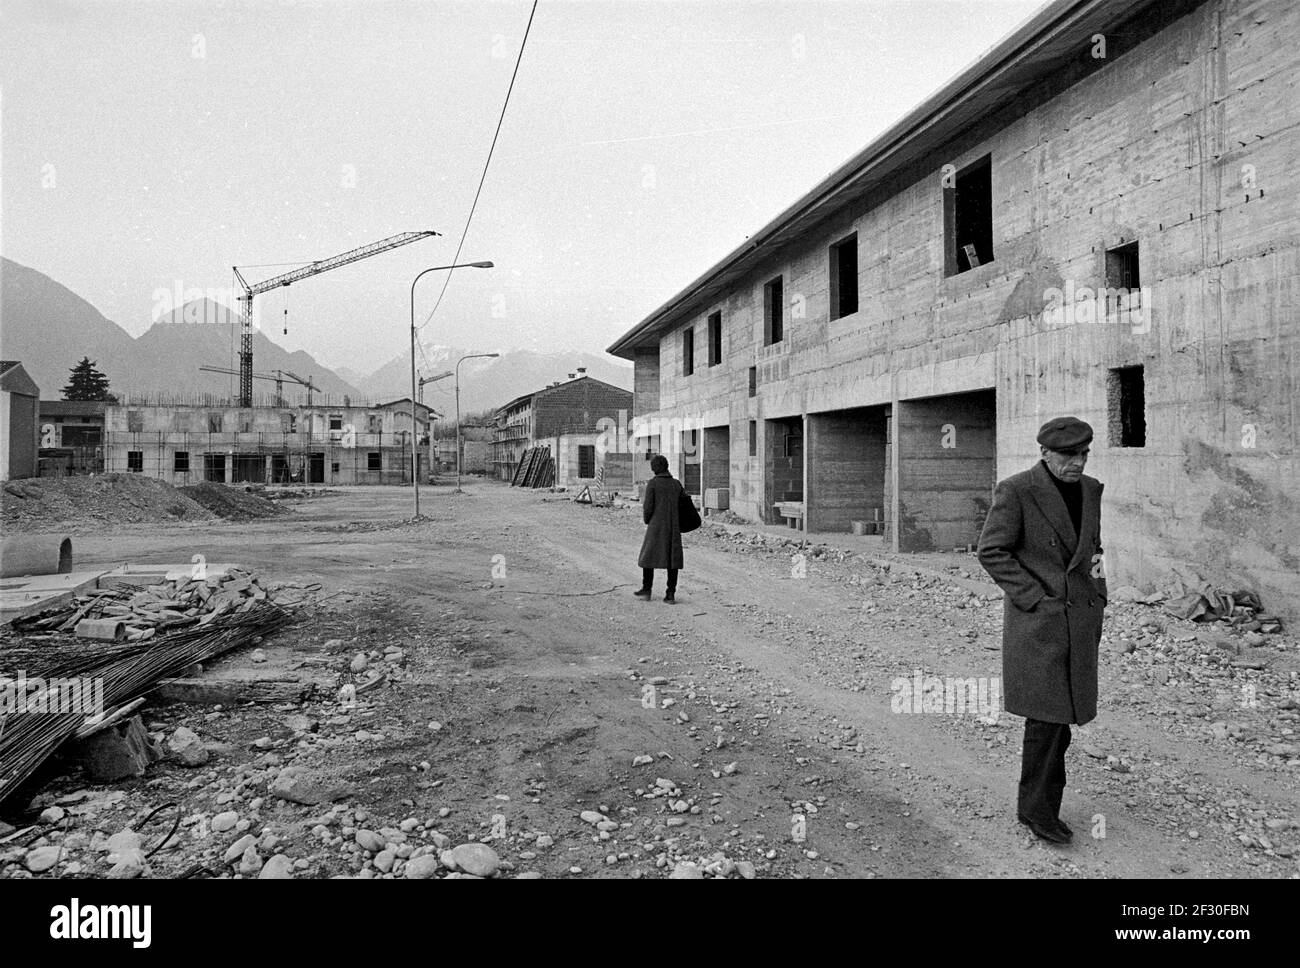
[[1065, 827], [670, 599], [642, 593], [1052, 834]]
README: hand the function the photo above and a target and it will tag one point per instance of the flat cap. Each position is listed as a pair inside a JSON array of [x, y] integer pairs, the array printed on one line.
[[1064, 433]]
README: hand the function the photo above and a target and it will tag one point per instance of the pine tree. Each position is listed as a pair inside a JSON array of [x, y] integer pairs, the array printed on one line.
[[87, 383]]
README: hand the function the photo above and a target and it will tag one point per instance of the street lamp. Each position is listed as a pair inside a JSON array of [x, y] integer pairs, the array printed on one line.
[[415, 460], [471, 356]]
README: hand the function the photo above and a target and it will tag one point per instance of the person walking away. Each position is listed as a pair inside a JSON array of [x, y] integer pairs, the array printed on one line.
[[662, 545], [1041, 544]]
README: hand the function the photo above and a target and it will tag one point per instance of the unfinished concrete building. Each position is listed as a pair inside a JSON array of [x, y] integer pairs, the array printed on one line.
[[1100, 217], [568, 417], [324, 443]]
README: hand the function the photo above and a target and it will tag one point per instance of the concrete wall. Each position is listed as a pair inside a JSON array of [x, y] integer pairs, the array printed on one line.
[[947, 465], [6, 439], [1185, 143], [21, 435], [565, 453], [645, 381], [847, 466]]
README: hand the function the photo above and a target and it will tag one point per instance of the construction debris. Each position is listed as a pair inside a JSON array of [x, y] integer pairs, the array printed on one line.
[[122, 750], [170, 625], [44, 503], [185, 596], [1205, 603], [234, 503]]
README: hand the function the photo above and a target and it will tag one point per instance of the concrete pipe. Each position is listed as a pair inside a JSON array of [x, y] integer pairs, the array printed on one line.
[[104, 629], [34, 554]]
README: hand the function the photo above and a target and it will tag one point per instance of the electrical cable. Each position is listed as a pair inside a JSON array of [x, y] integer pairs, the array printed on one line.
[[500, 120]]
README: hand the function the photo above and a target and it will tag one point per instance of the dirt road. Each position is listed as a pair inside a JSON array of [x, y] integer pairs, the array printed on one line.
[[765, 701]]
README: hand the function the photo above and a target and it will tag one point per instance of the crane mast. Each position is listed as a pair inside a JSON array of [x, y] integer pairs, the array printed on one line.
[[288, 279]]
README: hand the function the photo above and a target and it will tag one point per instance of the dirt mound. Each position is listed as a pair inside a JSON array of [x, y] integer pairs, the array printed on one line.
[[42, 503], [232, 503]]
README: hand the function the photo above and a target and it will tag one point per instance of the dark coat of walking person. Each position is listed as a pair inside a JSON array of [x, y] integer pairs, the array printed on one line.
[[1041, 543], [662, 546]]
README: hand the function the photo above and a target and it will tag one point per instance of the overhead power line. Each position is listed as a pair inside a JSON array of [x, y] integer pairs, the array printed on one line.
[[482, 178]]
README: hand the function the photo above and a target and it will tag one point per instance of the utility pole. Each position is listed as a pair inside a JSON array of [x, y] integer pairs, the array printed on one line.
[[471, 356], [415, 459]]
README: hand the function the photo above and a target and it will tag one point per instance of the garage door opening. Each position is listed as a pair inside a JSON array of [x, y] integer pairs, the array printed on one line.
[[847, 464]]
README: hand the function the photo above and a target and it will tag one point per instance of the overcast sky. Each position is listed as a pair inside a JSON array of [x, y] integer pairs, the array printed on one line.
[[150, 146]]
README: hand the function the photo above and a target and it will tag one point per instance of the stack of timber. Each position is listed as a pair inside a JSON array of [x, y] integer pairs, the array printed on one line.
[[536, 468]]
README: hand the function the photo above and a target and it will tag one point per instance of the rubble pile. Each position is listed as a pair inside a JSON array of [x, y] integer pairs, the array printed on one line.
[[136, 614], [233, 503], [52, 503]]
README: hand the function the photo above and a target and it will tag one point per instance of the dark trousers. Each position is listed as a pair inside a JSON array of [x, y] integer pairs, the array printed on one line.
[[648, 578], [1042, 770]]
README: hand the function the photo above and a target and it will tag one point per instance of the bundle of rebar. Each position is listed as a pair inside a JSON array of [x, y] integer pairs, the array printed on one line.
[[127, 671]]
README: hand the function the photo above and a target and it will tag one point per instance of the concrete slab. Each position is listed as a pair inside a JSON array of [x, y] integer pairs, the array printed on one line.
[[29, 594]]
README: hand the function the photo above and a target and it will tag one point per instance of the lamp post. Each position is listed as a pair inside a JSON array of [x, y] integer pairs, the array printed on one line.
[[415, 460], [471, 356]]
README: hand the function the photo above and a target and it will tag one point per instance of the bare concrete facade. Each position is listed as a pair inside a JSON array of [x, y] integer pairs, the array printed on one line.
[[1099, 218], [321, 444]]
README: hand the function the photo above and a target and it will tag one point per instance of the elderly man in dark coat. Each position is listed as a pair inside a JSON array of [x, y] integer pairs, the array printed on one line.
[[1042, 545], [662, 547]]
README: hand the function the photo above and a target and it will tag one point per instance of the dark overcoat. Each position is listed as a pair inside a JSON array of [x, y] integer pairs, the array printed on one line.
[[662, 547], [1056, 595]]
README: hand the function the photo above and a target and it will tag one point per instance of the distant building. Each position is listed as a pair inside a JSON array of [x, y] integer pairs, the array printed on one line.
[[567, 418], [72, 437], [19, 439], [318, 444]]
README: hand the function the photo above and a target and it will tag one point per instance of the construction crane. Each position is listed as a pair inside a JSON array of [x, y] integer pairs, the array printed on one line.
[[430, 379], [288, 279], [279, 376]]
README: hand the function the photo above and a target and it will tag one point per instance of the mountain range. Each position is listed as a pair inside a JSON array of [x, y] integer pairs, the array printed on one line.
[[48, 328]]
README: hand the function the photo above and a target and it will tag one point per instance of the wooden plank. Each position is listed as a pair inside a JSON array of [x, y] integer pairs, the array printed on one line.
[[209, 692]]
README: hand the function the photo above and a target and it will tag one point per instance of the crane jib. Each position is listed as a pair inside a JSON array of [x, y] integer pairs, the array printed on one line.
[[296, 275]]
